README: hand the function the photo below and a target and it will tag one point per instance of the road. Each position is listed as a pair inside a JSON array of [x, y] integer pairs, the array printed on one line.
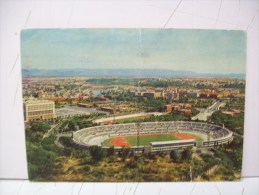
[[204, 114], [60, 145], [50, 131], [101, 120]]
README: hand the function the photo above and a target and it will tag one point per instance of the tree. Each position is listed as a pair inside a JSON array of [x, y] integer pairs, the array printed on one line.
[[234, 123], [40, 161], [174, 155], [132, 163], [96, 153], [187, 154], [110, 151], [34, 137], [48, 143], [72, 125], [39, 126], [84, 123], [124, 152], [66, 141]]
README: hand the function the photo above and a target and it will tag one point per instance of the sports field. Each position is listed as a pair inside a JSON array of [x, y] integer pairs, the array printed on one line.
[[144, 140]]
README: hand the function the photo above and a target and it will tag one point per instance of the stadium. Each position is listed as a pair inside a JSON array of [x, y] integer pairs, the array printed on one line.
[[153, 136]]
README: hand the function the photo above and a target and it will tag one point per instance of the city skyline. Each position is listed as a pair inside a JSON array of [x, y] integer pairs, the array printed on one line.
[[201, 51]]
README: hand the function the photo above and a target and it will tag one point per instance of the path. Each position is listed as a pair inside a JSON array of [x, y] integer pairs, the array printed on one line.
[[58, 144]]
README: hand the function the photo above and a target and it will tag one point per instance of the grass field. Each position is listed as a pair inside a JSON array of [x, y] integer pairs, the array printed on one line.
[[144, 140]]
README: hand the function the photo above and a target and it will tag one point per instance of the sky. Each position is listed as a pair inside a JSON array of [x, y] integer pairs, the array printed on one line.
[[201, 51]]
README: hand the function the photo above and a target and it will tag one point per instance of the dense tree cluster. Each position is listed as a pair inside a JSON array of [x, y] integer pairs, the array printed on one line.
[[40, 126], [234, 123], [76, 123], [161, 83], [112, 81]]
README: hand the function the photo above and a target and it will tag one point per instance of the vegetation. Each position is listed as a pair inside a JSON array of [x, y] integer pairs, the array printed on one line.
[[231, 155], [175, 156], [76, 123], [112, 81], [41, 156], [48, 162], [96, 153], [234, 123], [39, 126], [187, 154], [173, 116], [161, 83], [40, 161]]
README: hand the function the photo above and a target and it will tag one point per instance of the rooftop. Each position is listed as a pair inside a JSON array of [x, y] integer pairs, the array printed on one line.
[[172, 142], [36, 101]]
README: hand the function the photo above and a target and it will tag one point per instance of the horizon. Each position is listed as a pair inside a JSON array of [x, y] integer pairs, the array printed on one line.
[[155, 69], [199, 51]]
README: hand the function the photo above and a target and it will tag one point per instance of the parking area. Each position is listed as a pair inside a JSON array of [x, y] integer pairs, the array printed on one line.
[[76, 111]]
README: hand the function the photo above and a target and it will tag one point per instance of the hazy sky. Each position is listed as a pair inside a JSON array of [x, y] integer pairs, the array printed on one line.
[[202, 51]]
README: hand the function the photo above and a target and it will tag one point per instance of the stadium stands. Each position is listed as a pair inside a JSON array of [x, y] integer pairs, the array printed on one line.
[[212, 134]]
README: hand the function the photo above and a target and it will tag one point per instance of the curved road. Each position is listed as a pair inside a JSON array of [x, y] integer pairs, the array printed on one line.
[[203, 115], [60, 145]]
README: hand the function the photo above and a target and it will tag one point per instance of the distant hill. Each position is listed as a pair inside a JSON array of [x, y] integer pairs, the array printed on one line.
[[121, 73]]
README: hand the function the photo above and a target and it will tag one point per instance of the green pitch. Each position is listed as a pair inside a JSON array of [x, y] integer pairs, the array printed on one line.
[[144, 140]]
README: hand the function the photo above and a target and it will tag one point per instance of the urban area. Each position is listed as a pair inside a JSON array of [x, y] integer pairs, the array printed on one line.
[[133, 128]]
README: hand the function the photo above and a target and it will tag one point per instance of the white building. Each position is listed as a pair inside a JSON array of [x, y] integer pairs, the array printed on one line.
[[38, 110]]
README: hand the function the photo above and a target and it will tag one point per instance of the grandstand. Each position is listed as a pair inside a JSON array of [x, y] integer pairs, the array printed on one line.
[[212, 135]]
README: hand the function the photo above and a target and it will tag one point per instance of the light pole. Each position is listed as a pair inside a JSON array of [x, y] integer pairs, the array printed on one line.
[[138, 129], [191, 168]]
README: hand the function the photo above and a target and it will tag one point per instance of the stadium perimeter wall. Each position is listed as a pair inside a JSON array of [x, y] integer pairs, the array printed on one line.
[[216, 135]]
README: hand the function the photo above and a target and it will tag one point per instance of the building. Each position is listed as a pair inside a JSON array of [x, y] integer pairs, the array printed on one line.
[[38, 110], [176, 107], [171, 145], [192, 95], [109, 109], [153, 94], [213, 96], [204, 95], [183, 108], [168, 108], [148, 94], [187, 106], [101, 98], [172, 96], [185, 112], [183, 93], [85, 105]]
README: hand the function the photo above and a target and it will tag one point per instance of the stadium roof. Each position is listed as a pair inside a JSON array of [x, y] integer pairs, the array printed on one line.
[[172, 142]]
